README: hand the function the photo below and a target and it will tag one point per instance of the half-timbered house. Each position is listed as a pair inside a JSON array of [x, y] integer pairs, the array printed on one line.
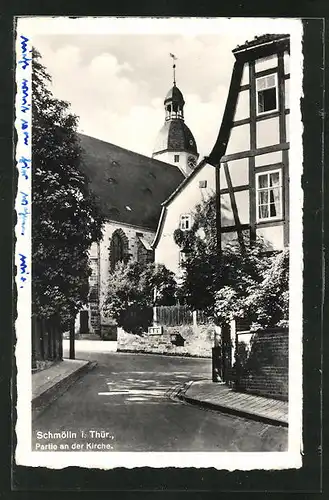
[[248, 166]]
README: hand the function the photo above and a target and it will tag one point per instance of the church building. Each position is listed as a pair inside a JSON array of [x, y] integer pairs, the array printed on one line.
[[130, 189]]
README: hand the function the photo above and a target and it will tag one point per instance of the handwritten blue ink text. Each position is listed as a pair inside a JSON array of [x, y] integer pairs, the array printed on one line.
[[23, 268], [23, 216], [24, 200], [25, 165], [25, 61], [26, 135]]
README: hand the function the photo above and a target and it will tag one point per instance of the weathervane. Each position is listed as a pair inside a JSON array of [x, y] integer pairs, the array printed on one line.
[[174, 58]]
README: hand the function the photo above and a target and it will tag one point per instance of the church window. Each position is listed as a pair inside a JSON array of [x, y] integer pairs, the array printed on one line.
[[267, 90], [176, 158], [117, 253], [185, 222]]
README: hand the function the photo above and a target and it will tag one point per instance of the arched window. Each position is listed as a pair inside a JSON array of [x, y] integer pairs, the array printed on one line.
[[118, 248]]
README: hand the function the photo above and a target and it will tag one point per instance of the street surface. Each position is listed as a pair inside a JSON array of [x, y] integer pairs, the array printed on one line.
[[124, 404]]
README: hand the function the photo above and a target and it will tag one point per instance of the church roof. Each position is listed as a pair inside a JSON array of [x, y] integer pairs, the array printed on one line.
[[175, 136], [174, 95], [129, 187]]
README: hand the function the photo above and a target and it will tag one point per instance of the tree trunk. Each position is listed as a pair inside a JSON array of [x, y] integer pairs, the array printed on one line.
[[72, 340]]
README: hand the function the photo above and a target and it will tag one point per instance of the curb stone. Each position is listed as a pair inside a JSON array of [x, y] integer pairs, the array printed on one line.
[[207, 405], [41, 402]]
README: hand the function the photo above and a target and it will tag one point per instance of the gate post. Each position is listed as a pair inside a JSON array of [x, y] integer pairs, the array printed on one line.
[[217, 361]]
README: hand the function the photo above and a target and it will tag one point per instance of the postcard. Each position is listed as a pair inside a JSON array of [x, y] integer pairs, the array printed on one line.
[[159, 242]]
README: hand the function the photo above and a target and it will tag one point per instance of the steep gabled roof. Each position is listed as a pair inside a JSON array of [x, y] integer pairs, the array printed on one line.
[[129, 187], [260, 40], [173, 195]]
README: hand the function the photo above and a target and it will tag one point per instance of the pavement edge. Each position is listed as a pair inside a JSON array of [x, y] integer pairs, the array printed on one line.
[[207, 405], [47, 397]]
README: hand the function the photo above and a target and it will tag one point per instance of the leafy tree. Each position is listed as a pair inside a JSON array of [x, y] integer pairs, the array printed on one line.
[[133, 289], [268, 303], [65, 216], [229, 285]]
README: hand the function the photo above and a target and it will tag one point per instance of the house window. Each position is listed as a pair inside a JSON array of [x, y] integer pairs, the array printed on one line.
[[267, 94], [269, 195], [182, 257], [185, 222], [202, 184], [176, 158]]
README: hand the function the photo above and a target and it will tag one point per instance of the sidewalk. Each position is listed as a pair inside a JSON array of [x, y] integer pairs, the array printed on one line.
[[220, 397], [49, 384]]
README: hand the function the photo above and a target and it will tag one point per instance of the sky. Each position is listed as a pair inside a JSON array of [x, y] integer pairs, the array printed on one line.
[[116, 79]]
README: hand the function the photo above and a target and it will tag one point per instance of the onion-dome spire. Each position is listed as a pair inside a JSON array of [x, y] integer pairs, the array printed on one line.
[[174, 101], [175, 142]]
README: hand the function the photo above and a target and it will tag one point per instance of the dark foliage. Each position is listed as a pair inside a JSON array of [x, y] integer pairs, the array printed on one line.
[[65, 217]]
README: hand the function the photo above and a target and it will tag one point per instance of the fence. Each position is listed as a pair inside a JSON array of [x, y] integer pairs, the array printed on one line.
[[173, 315], [179, 315]]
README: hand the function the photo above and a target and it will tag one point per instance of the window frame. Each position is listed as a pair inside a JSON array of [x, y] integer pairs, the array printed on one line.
[[185, 217], [176, 158], [280, 216], [182, 257], [276, 86]]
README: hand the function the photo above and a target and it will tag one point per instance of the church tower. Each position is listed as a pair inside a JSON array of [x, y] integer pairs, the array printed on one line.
[[175, 143]]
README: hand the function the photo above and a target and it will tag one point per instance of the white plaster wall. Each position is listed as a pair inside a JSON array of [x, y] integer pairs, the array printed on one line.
[[286, 59], [239, 171], [245, 74], [266, 63], [272, 235], [268, 158], [242, 204], [239, 139], [166, 251], [287, 93], [267, 132], [287, 128], [227, 218], [242, 109], [168, 157]]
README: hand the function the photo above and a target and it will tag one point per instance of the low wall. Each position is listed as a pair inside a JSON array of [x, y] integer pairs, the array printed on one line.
[[198, 341], [262, 366]]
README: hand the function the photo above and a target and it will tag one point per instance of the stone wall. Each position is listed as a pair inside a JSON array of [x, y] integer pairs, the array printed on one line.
[[263, 366], [198, 341]]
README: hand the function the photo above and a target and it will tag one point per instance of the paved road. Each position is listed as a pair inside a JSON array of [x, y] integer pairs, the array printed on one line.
[[124, 404]]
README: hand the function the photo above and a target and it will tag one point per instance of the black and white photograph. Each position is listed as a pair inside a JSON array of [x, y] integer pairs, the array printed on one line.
[[159, 242]]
